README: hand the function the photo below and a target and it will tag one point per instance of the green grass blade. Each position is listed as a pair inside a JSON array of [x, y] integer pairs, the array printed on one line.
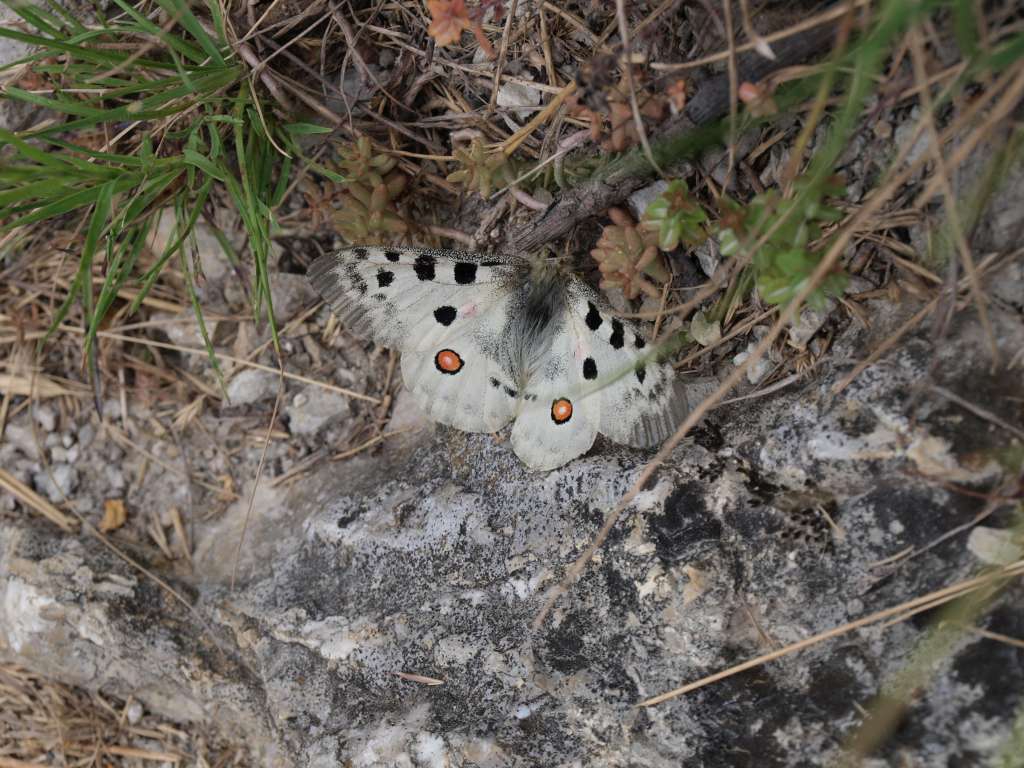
[[177, 9]]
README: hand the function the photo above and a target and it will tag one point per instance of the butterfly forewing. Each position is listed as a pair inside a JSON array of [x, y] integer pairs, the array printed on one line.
[[642, 402], [409, 298]]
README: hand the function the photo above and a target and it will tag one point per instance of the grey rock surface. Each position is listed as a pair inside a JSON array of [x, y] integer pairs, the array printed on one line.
[[432, 558], [312, 408], [252, 385]]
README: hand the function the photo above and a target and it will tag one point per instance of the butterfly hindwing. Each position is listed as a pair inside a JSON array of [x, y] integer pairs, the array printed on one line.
[[557, 421], [459, 381]]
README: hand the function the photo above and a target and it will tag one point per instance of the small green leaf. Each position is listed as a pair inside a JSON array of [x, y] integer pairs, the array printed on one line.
[[307, 129]]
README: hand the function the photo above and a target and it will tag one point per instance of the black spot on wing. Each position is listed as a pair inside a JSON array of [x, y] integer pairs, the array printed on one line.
[[593, 317], [445, 315], [490, 263], [639, 342], [356, 280], [510, 392], [495, 383], [641, 373], [361, 253], [465, 272], [616, 339], [385, 278], [392, 255], [589, 368], [424, 266]]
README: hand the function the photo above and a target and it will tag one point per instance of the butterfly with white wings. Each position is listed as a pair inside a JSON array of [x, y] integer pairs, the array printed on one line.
[[490, 339]]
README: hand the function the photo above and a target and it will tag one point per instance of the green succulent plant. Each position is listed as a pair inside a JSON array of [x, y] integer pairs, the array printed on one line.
[[480, 170], [366, 211], [785, 261], [676, 217]]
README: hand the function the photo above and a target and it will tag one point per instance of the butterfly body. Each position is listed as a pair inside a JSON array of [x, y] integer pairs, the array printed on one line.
[[486, 340]]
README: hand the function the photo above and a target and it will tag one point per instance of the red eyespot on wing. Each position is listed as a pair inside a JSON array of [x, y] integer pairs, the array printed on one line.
[[561, 410], [448, 361]]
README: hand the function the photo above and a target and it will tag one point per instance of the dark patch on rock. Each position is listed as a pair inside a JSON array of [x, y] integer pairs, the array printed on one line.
[[685, 529], [565, 646], [708, 435]]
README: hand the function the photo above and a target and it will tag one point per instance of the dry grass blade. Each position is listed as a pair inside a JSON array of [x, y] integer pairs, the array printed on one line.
[[40, 386], [931, 599], [142, 754], [33, 500], [412, 677], [230, 359]]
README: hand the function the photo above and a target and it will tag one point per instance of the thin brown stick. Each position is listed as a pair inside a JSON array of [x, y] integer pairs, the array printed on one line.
[[502, 53], [937, 597], [229, 358], [627, 68], [952, 207], [815, 21], [977, 410], [733, 91], [256, 481]]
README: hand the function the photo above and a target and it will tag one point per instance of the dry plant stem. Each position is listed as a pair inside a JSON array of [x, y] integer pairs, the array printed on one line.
[[33, 500], [748, 29], [512, 142], [978, 411], [452, 234], [733, 91], [574, 20], [1011, 87], [772, 388], [545, 37], [997, 636], [796, 154], [370, 443], [661, 310], [229, 358], [885, 346], [502, 54], [641, 132], [991, 506], [952, 211], [259, 473], [933, 598], [142, 754], [815, 21], [741, 328], [890, 342]]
